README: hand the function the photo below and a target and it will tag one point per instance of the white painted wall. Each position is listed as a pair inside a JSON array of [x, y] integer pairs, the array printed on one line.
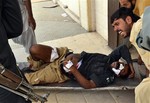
[[73, 5], [87, 14], [101, 12]]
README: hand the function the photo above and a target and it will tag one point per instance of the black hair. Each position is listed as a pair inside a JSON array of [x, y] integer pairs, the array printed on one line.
[[123, 13]]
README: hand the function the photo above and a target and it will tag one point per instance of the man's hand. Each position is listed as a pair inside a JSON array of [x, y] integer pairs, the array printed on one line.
[[131, 75], [67, 66], [32, 22], [140, 62]]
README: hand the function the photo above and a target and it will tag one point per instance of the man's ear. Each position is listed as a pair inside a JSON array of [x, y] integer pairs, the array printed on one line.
[[129, 20]]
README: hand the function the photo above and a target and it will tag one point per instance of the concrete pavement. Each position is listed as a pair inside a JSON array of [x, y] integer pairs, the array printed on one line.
[[56, 30]]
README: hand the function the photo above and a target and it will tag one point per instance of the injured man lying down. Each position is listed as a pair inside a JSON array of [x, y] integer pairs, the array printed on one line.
[[90, 70]]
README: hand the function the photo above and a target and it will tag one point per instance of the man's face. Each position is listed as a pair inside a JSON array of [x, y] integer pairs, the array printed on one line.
[[122, 27], [124, 68], [127, 4], [124, 71]]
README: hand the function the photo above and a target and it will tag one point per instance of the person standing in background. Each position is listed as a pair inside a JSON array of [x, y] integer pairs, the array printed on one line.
[[137, 6], [27, 38], [10, 26], [127, 3]]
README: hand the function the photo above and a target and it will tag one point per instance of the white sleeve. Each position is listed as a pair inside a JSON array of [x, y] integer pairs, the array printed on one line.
[[54, 55]]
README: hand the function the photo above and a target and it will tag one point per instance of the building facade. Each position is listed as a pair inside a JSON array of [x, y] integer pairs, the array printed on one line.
[[93, 15]]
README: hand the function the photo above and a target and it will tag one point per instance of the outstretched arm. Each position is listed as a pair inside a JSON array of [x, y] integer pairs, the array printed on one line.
[[87, 84], [70, 67], [123, 51]]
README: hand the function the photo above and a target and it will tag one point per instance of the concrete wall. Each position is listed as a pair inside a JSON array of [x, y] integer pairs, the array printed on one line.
[[91, 14], [87, 14], [73, 5], [101, 12]]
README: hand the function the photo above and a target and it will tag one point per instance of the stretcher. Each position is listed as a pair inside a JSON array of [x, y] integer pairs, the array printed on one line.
[[119, 84]]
